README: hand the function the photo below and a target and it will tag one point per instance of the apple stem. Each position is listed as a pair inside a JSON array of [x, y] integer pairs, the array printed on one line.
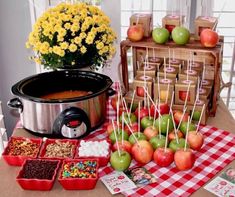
[[131, 131], [167, 94], [181, 118], [186, 138], [175, 130], [203, 108], [167, 131], [186, 99], [115, 134], [172, 99], [132, 100]]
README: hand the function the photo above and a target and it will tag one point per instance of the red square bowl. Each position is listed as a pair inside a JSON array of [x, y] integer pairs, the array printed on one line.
[[50, 142], [38, 174], [76, 183], [19, 149], [103, 160]]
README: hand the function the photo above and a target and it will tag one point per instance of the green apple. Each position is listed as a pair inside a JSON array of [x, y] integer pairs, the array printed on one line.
[[132, 119], [120, 162], [162, 121], [119, 136], [138, 136], [180, 35], [183, 127], [146, 122], [196, 115], [158, 141], [160, 35], [175, 146]]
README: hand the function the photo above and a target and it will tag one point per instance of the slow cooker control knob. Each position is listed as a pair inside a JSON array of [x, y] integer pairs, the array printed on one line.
[[73, 122]]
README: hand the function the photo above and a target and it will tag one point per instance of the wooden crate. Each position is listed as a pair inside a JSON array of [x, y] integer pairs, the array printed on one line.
[[212, 56]]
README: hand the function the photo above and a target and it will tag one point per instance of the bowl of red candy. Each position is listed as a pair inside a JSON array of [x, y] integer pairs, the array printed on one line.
[[58, 149], [94, 149], [19, 149], [79, 174], [38, 174]]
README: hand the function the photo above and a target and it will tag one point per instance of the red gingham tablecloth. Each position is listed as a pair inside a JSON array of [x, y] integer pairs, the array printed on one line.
[[218, 151]]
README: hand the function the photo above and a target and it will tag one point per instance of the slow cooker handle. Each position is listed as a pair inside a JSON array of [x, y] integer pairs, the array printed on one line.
[[15, 103], [111, 92], [73, 122]]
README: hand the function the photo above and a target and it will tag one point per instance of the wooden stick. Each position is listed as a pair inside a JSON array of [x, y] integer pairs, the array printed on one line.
[[125, 106], [132, 100], [139, 118], [175, 130], [186, 138], [122, 127], [131, 131], [184, 110], [203, 108], [167, 131], [164, 68], [195, 102], [155, 112], [186, 100], [172, 99], [115, 134], [117, 104], [158, 86], [167, 94], [150, 99], [220, 14]]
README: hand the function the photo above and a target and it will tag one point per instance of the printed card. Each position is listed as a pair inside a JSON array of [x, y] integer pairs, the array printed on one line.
[[140, 176], [229, 175], [117, 182], [221, 187]]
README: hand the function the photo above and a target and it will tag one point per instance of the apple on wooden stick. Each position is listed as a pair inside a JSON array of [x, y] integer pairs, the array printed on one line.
[[119, 160], [195, 138], [184, 158], [164, 156], [135, 32]]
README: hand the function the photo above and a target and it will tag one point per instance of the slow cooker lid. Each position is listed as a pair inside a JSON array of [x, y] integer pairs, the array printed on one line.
[[34, 87]]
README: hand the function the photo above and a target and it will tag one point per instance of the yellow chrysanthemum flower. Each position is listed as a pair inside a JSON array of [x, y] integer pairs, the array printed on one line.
[[78, 40], [72, 47], [67, 26], [64, 45], [83, 49], [100, 45]]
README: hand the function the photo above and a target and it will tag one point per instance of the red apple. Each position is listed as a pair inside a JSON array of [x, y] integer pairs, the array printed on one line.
[[209, 38], [114, 101], [143, 112], [164, 108], [152, 111], [183, 95], [178, 115], [109, 128], [125, 145], [134, 128], [163, 158], [150, 132], [142, 152], [135, 32], [170, 27], [172, 136], [195, 140], [140, 91], [184, 159]]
